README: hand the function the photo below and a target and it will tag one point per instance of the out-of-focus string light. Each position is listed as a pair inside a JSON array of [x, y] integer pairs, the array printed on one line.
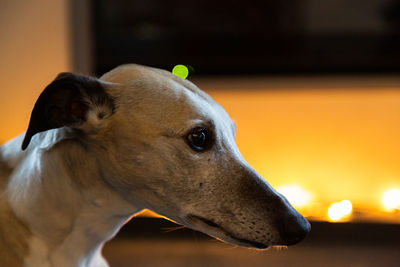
[[340, 210], [391, 199], [295, 194]]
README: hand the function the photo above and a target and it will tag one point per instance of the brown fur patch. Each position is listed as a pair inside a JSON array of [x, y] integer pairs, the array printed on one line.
[[14, 236]]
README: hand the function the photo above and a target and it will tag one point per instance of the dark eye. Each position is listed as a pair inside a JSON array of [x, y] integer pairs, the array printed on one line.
[[198, 139]]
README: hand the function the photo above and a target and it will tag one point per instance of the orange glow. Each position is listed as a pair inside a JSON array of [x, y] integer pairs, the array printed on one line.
[[338, 143], [296, 195]]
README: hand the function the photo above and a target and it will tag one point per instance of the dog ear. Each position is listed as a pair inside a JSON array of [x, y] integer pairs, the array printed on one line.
[[71, 100]]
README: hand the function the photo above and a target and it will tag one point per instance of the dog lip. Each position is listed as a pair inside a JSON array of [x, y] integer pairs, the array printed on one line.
[[252, 243], [214, 225]]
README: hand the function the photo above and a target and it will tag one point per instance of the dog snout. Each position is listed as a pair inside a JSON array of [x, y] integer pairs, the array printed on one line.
[[293, 227]]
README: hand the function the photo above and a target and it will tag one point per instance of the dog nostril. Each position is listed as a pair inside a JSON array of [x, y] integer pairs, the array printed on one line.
[[295, 228]]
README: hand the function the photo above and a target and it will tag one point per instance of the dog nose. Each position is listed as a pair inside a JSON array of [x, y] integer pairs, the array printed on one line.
[[294, 228]]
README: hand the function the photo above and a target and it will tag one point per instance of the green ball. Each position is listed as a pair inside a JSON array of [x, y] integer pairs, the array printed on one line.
[[181, 71]]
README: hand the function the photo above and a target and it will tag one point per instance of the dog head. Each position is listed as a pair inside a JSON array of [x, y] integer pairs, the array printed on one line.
[[167, 146]]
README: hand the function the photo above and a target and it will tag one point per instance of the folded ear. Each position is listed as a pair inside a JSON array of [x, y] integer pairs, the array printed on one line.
[[71, 100]]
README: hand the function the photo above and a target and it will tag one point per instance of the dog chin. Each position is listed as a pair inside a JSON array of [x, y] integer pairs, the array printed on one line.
[[211, 228]]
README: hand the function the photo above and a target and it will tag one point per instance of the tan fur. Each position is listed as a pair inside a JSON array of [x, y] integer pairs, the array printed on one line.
[[13, 233], [13, 238]]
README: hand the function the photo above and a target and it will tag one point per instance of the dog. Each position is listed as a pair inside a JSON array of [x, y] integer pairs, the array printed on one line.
[[98, 151]]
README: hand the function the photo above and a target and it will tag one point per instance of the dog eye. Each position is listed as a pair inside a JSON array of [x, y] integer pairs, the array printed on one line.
[[197, 139]]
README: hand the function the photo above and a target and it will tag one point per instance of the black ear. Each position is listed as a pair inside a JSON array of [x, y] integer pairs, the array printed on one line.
[[66, 102]]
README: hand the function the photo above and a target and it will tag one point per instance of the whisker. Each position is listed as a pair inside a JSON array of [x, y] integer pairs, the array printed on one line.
[[172, 228]]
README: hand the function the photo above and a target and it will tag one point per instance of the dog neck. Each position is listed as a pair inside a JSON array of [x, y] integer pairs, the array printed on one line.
[[58, 192]]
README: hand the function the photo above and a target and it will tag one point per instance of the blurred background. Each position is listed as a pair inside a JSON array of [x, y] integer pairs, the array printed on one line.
[[313, 87]]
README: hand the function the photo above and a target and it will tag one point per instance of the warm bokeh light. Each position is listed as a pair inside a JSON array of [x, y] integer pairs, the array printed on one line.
[[295, 194], [340, 210], [323, 134], [391, 199]]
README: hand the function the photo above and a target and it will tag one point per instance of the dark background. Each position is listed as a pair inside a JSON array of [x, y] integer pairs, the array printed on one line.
[[232, 37], [154, 242]]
